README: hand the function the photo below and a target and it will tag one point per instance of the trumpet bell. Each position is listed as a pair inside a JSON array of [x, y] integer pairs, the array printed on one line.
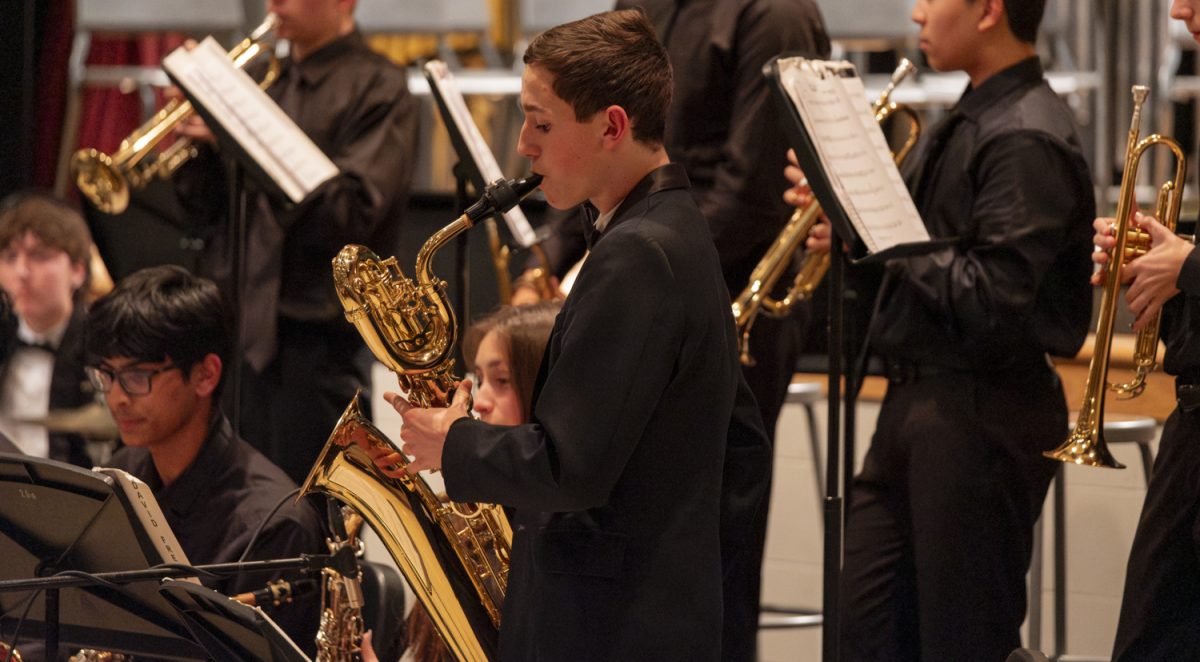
[[1087, 449], [100, 180]]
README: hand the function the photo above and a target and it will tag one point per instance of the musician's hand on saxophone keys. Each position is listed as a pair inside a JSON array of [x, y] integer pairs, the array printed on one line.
[[425, 429]]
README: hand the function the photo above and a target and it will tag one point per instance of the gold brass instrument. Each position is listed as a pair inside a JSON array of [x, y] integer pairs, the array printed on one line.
[[339, 636], [9, 655], [1086, 443], [454, 556], [756, 298], [541, 274], [106, 180]]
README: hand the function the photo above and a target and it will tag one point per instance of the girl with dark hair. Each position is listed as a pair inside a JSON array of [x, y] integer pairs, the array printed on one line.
[[503, 351]]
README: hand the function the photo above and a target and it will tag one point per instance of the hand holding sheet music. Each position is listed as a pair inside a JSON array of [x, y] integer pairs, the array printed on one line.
[[854, 155], [250, 118]]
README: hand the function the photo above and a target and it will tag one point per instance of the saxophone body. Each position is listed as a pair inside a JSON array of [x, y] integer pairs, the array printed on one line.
[[339, 636], [455, 556]]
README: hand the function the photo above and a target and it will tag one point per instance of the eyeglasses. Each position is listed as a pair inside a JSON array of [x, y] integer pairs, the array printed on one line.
[[134, 381]]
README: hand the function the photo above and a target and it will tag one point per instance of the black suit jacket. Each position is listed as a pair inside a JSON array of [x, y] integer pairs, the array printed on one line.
[[69, 387], [617, 480]]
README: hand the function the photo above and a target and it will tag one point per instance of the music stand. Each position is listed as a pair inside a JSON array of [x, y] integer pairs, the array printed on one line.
[[476, 163], [842, 397], [7, 445], [55, 517], [227, 629]]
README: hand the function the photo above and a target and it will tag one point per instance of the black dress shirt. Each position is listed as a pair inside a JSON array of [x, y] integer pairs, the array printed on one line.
[[1004, 175], [215, 505], [723, 124], [1181, 321], [355, 105]]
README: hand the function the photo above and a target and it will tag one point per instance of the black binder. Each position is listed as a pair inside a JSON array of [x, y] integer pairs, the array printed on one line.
[[229, 630]]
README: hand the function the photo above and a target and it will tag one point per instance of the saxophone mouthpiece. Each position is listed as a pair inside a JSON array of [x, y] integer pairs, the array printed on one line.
[[501, 196]]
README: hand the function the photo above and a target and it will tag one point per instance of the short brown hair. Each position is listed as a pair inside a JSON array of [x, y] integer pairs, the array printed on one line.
[[606, 59], [52, 221], [525, 330]]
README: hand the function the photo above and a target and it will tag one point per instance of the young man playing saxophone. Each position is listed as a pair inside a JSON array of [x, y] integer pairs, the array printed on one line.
[[639, 405]]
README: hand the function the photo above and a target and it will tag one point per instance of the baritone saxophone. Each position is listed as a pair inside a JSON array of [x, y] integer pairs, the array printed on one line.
[[455, 556]]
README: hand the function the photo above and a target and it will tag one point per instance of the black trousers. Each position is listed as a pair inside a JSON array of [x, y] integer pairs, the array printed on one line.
[[775, 346], [1160, 610], [940, 530], [290, 408]]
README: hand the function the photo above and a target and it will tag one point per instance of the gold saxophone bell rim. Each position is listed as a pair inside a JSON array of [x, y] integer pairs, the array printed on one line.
[[100, 180]]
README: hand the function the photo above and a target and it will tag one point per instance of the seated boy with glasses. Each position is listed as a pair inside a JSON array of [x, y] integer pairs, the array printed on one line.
[[156, 348]]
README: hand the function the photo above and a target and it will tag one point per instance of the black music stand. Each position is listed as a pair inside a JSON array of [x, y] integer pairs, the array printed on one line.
[[55, 517], [475, 165], [227, 629], [842, 397]]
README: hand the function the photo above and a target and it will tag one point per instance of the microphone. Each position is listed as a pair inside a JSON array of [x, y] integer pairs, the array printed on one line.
[[277, 592], [502, 195]]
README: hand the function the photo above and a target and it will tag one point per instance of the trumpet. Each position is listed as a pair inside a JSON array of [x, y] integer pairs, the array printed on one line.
[[541, 275], [1086, 443], [107, 179], [756, 298]]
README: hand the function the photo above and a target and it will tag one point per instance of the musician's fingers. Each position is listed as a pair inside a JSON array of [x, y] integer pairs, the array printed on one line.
[[462, 396], [397, 402]]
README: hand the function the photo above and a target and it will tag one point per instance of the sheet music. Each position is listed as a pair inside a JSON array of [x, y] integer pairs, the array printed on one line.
[[515, 219], [258, 125], [149, 514], [853, 151]]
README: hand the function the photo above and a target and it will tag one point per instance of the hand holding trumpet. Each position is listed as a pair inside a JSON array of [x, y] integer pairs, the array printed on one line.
[[1151, 277]]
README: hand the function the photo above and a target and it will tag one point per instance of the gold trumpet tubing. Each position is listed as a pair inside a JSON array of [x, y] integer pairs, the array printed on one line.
[[1166, 209], [903, 70], [500, 258], [139, 144], [885, 112], [1085, 445], [542, 274]]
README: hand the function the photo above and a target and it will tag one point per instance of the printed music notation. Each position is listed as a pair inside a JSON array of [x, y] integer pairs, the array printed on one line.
[[251, 118], [831, 102]]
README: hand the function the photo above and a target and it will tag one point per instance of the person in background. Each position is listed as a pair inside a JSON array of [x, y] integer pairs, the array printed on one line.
[[301, 361], [504, 351], [45, 250], [1160, 608], [940, 528], [157, 347]]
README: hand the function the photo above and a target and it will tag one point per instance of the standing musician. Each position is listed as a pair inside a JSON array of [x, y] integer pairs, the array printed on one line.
[[1160, 610], [723, 127], [941, 517], [156, 348], [302, 363], [639, 403]]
